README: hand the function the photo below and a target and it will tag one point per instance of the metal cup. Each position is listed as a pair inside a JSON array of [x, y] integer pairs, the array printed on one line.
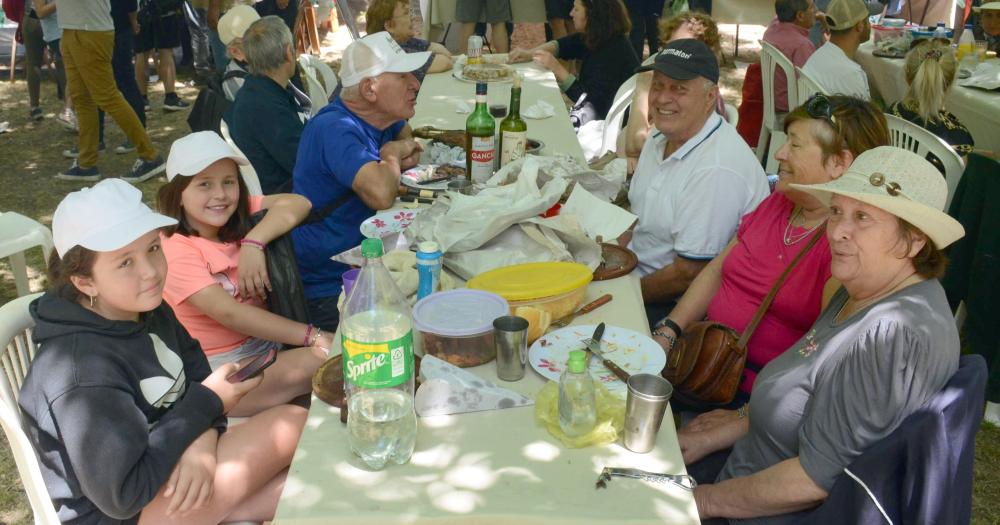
[[510, 335], [463, 186], [647, 399]]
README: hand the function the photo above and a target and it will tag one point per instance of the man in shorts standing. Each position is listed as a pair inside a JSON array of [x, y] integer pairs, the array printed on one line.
[[557, 13], [158, 30], [497, 14]]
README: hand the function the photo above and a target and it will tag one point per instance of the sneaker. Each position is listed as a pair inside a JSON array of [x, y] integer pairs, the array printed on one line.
[[36, 113], [145, 102], [144, 170], [75, 172], [74, 152], [174, 103], [68, 119], [125, 147]]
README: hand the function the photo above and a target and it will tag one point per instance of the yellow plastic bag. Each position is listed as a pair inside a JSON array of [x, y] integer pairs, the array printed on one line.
[[610, 416]]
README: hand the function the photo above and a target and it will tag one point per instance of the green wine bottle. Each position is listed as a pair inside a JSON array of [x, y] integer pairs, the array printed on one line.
[[480, 148], [513, 129]]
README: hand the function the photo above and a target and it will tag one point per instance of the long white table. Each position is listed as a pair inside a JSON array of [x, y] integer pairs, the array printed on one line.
[[977, 109], [440, 92], [496, 467]]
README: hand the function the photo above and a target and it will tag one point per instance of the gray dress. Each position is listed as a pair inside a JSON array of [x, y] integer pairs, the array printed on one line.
[[844, 386]]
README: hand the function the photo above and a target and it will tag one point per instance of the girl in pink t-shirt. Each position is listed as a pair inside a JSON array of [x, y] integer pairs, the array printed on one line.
[[217, 280]]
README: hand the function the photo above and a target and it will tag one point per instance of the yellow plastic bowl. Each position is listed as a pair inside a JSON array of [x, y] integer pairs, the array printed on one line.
[[556, 287]]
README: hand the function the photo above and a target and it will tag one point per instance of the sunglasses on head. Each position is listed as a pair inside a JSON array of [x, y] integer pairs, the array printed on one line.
[[819, 106], [917, 41]]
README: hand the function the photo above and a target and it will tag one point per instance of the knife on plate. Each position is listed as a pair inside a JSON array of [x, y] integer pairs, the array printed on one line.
[[594, 345]]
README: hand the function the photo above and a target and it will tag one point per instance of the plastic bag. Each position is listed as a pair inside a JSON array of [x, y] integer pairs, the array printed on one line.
[[610, 416]]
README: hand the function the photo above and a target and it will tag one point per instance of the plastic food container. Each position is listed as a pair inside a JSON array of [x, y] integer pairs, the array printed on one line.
[[457, 325], [556, 287], [882, 32]]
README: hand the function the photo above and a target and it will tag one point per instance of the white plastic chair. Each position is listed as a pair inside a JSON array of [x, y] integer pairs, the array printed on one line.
[[907, 135], [321, 81], [732, 115], [807, 86], [19, 234], [17, 352], [772, 134], [616, 114], [249, 174]]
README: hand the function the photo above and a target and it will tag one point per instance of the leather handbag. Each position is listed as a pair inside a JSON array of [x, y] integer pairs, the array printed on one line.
[[706, 363]]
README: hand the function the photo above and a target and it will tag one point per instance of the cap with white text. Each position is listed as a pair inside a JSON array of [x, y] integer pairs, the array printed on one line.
[[684, 59]]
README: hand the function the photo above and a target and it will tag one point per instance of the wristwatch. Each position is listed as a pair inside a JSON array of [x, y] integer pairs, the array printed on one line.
[[667, 322]]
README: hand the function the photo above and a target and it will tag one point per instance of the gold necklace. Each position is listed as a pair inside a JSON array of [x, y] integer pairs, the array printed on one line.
[[790, 238]]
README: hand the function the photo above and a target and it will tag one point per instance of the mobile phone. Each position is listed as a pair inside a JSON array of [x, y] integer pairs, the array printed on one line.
[[253, 366]]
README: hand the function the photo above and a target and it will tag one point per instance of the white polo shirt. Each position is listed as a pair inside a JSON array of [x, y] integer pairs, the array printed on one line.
[[690, 203], [837, 73]]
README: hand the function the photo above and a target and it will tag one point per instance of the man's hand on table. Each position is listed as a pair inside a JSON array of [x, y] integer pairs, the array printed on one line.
[[406, 153]]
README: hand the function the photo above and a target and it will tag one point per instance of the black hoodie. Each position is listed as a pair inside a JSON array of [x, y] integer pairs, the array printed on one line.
[[110, 406]]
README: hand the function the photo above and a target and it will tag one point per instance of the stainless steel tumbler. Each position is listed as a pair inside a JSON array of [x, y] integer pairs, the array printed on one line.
[[510, 334], [647, 399]]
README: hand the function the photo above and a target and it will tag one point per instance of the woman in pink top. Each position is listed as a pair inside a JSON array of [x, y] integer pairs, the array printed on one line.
[[825, 135], [217, 281]]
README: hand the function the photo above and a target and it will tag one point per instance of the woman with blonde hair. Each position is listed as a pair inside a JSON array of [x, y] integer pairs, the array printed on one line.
[[689, 24], [930, 71]]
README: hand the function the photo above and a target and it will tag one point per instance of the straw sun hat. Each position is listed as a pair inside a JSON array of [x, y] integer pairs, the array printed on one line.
[[901, 183], [992, 6]]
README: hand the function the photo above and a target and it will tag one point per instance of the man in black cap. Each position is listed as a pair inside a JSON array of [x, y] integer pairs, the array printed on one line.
[[694, 179]]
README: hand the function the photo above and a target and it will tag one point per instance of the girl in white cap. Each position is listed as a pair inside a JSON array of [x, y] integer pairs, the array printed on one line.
[[218, 281], [125, 415]]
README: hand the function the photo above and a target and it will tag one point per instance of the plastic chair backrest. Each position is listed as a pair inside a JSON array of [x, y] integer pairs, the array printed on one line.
[[321, 81], [19, 234], [732, 115], [616, 114], [249, 174], [907, 135], [807, 86], [18, 350], [772, 59]]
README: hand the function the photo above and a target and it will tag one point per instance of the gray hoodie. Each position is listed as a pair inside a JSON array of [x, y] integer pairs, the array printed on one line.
[[110, 406]]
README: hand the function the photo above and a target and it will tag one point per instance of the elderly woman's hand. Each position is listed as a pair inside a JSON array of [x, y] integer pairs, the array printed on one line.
[[710, 420], [695, 445], [518, 55], [251, 273]]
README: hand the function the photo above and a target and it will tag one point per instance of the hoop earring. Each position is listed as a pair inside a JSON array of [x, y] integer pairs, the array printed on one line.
[[91, 300]]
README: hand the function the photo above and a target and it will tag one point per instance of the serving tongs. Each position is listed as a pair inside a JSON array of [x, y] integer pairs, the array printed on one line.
[[681, 480]]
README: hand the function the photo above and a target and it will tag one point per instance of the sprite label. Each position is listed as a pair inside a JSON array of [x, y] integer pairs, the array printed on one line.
[[378, 365]]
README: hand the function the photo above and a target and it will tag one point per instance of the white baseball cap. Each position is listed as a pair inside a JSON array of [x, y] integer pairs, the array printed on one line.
[[235, 22], [103, 218], [901, 183], [375, 54], [195, 152]]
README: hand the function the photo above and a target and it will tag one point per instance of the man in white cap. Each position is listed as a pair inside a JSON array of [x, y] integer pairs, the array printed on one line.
[[833, 65], [232, 26], [350, 158], [988, 28]]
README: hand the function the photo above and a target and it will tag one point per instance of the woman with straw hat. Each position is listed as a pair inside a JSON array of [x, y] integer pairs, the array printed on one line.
[[988, 28], [882, 347]]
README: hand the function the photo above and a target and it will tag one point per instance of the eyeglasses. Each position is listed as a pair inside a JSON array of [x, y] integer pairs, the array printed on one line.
[[819, 106]]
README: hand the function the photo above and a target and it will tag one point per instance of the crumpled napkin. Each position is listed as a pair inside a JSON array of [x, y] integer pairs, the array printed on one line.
[[440, 153], [462, 107], [985, 76], [538, 110], [448, 389]]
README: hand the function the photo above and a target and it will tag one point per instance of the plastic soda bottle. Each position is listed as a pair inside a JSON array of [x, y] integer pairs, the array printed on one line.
[[377, 340], [966, 45], [428, 269], [577, 399]]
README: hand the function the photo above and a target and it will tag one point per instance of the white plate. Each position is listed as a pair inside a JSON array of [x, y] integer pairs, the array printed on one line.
[[632, 351], [387, 222], [411, 178]]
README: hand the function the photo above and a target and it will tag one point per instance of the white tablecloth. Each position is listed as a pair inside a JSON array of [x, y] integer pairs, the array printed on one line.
[[494, 467], [977, 109], [439, 93]]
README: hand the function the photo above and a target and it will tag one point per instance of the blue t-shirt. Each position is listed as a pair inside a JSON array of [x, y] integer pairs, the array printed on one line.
[[335, 144]]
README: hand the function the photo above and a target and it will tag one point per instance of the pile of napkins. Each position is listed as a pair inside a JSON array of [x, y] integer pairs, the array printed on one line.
[[448, 389]]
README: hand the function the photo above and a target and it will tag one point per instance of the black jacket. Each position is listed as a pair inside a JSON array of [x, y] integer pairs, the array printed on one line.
[[110, 406], [602, 71]]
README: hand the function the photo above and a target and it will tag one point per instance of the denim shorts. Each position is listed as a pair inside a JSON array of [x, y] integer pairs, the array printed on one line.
[[250, 348]]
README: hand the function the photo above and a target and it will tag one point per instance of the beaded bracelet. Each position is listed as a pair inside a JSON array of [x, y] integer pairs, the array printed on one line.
[[256, 244], [316, 336]]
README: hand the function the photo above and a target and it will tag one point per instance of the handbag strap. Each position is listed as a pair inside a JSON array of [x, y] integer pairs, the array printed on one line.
[[749, 330]]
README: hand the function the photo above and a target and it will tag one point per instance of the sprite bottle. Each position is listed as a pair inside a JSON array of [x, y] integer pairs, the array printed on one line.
[[378, 365]]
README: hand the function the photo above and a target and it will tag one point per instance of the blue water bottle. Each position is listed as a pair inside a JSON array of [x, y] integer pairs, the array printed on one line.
[[428, 269]]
